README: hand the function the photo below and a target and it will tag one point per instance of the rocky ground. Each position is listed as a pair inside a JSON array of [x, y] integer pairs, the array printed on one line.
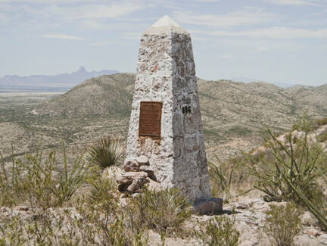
[[248, 213]]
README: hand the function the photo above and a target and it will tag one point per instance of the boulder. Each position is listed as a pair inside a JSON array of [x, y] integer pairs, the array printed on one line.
[[149, 170], [131, 166], [208, 206], [137, 184]]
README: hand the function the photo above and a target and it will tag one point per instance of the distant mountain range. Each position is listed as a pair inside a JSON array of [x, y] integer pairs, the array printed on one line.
[[58, 82], [228, 108]]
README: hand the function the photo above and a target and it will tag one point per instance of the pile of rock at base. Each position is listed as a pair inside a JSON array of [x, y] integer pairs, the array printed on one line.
[[137, 173]]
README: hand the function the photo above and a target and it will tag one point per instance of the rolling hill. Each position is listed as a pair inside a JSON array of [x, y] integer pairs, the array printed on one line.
[[228, 108]]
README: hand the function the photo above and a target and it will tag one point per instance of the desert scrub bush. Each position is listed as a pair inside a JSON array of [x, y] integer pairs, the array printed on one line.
[[43, 227], [322, 137], [12, 191], [36, 178], [106, 152], [45, 185], [102, 220], [320, 122], [220, 231], [163, 211], [283, 223], [291, 170], [227, 177]]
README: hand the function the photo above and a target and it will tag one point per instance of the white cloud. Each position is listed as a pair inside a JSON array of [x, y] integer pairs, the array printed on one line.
[[236, 18], [272, 33], [61, 36], [293, 2]]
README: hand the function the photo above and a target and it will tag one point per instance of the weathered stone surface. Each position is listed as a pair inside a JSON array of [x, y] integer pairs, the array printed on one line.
[[131, 166], [308, 219], [323, 239], [208, 206], [112, 172], [137, 184], [149, 170], [154, 185], [142, 160], [166, 74]]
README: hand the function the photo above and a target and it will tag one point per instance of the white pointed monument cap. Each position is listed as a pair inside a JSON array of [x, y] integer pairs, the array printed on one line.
[[165, 25], [165, 21]]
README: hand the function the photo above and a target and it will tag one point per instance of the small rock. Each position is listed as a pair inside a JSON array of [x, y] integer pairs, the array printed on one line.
[[142, 160], [312, 232], [137, 184], [208, 206], [123, 180], [22, 208], [149, 170], [308, 219], [242, 206], [323, 239], [112, 172], [131, 166], [135, 175], [123, 187]]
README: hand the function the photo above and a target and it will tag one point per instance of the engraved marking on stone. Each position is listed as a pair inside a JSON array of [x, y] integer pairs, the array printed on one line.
[[150, 120], [186, 109]]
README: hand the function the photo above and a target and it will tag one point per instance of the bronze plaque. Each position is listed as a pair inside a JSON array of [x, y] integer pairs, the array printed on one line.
[[150, 120]]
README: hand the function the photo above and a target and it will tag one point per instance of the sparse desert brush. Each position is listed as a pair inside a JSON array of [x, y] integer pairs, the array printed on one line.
[[283, 223], [11, 188], [106, 152], [163, 211], [37, 179], [220, 231], [228, 177], [322, 137], [320, 122], [291, 170]]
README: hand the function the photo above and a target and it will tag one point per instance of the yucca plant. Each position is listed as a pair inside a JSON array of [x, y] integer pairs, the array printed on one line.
[[106, 152]]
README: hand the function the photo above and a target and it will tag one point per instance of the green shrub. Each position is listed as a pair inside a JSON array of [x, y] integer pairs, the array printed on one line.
[[39, 181], [283, 223], [163, 211], [226, 177], [320, 122], [291, 170], [47, 189], [11, 188], [322, 137], [106, 152], [102, 221], [220, 231]]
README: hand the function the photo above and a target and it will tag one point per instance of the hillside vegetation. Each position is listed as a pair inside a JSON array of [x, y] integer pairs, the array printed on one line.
[[229, 109]]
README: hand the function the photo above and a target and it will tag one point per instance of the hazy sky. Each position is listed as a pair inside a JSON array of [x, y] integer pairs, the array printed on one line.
[[269, 40]]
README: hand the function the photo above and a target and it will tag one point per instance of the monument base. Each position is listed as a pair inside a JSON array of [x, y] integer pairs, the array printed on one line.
[[209, 206]]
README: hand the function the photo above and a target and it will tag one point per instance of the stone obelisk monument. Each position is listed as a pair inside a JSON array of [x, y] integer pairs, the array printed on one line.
[[165, 123]]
